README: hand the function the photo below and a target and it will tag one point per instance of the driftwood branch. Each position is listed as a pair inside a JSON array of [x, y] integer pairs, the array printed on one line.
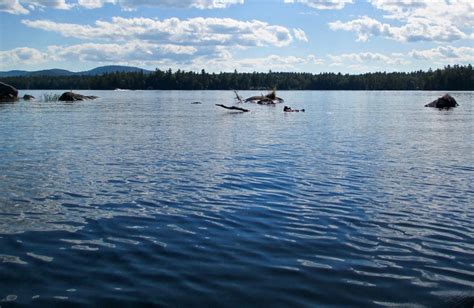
[[238, 97], [233, 108]]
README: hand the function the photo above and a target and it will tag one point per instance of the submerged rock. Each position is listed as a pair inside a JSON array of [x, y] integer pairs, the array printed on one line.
[[71, 97], [8, 92], [444, 102], [28, 97]]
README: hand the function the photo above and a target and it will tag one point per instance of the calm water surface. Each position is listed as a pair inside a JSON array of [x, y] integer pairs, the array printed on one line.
[[140, 197]]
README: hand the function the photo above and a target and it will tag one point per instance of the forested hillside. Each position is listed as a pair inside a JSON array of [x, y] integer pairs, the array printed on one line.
[[449, 78]]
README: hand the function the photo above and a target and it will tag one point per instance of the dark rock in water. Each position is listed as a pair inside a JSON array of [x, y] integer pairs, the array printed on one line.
[[71, 97], [7, 92], [266, 101], [196, 103], [289, 109], [28, 97], [444, 102]]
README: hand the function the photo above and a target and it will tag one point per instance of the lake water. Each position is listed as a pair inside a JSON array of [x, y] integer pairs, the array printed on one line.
[[141, 197]]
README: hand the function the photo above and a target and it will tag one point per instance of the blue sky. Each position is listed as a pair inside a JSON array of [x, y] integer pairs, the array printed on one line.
[[247, 35]]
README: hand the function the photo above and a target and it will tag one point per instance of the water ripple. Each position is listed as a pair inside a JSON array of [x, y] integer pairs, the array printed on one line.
[[142, 199]]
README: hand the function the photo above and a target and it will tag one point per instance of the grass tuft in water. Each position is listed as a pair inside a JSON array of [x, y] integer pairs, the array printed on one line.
[[50, 97]]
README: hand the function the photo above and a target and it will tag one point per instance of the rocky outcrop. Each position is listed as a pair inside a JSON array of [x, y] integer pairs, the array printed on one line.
[[28, 97], [269, 99], [444, 102], [7, 92], [72, 97]]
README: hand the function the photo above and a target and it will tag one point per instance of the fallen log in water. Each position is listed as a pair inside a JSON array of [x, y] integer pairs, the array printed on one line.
[[233, 108]]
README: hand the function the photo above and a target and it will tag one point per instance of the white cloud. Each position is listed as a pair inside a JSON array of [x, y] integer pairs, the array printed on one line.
[[367, 58], [416, 30], [22, 55], [370, 61], [322, 4], [193, 31], [456, 12], [131, 51], [421, 20], [41, 4], [26, 6], [132, 4], [425, 30], [12, 7], [149, 55], [445, 54], [94, 4], [199, 4], [18, 7], [226, 62], [364, 27], [300, 35], [222, 58], [399, 7], [452, 13], [363, 62]]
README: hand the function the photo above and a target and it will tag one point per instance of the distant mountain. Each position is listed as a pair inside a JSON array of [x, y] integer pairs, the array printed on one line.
[[51, 72], [15, 73], [60, 72], [112, 69]]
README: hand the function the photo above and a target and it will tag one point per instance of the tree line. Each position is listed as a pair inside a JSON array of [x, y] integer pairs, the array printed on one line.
[[452, 78]]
